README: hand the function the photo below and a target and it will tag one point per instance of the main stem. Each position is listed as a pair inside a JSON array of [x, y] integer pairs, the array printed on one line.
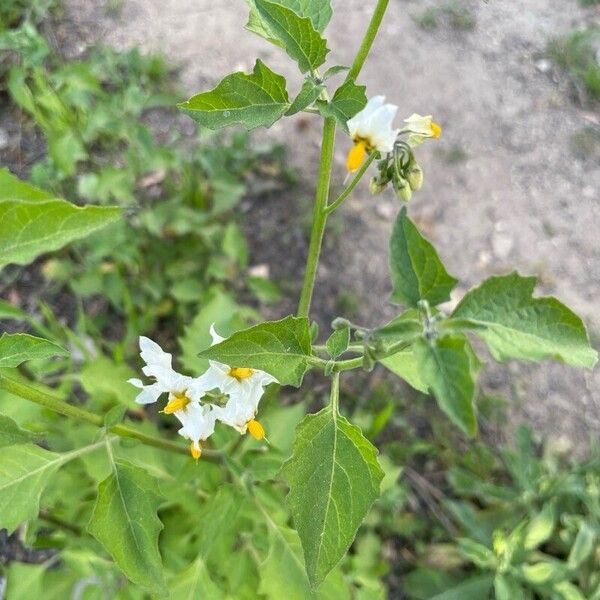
[[326, 162], [33, 395], [319, 217]]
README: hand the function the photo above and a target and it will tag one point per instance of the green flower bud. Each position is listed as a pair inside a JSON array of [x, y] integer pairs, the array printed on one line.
[[402, 189], [415, 177], [376, 185]]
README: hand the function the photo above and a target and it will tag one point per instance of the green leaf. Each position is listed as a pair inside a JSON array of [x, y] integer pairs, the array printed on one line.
[[24, 582], [404, 364], [507, 588], [11, 433], [520, 326], [33, 222], [447, 368], [280, 348], [125, 522], [540, 528], [308, 94], [416, 269], [195, 582], [255, 100], [338, 342], [295, 34], [582, 547], [24, 473], [475, 588], [334, 478], [347, 100], [17, 348], [477, 553], [318, 11], [104, 379]]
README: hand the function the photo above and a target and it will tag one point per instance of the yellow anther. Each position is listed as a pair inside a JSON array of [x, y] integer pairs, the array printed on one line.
[[357, 155], [256, 430], [195, 450], [240, 373], [436, 130], [177, 402]]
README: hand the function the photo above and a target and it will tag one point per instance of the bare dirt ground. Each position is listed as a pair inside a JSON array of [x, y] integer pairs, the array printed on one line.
[[502, 186]]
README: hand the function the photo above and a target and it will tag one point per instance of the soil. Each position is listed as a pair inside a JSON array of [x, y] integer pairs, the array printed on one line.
[[502, 189]]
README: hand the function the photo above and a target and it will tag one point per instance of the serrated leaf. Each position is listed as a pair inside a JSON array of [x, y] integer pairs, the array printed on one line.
[[447, 368], [416, 269], [347, 100], [338, 342], [25, 470], [282, 573], [308, 94], [17, 348], [280, 348], [33, 223], [334, 478], [125, 522], [195, 582], [11, 433], [520, 326], [255, 100], [294, 33], [318, 11]]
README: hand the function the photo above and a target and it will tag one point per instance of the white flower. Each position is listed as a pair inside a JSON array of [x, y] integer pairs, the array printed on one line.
[[198, 423], [370, 130], [244, 386], [184, 394], [421, 128]]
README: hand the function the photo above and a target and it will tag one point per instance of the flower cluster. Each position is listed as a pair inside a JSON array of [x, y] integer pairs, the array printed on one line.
[[187, 396], [371, 131]]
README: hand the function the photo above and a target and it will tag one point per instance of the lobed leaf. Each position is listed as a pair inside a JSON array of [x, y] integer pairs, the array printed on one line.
[[516, 325], [255, 100], [416, 269], [318, 11], [448, 367], [11, 433], [16, 348], [32, 222], [280, 348], [334, 477], [125, 522], [347, 100]]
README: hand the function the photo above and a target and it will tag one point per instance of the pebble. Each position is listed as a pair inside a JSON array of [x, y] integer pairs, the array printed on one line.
[[543, 65]]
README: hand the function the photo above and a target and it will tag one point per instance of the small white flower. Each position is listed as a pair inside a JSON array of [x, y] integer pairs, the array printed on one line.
[[244, 386], [198, 423], [370, 130], [420, 128]]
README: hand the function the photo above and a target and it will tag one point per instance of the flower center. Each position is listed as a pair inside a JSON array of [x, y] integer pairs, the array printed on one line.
[[195, 450], [240, 373], [177, 402], [256, 430], [436, 130], [357, 155]]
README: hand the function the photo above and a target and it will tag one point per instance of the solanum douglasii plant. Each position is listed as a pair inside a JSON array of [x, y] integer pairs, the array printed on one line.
[[331, 473]]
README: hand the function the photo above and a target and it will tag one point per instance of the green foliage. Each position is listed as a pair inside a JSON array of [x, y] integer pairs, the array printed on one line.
[[18, 347], [33, 222], [255, 100], [576, 53], [347, 100], [417, 272], [281, 348], [519, 326], [334, 478], [124, 521]]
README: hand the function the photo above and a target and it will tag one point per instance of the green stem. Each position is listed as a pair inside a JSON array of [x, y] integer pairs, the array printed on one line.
[[338, 365], [33, 395], [342, 197], [368, 39], [319, 217], [335, 393]]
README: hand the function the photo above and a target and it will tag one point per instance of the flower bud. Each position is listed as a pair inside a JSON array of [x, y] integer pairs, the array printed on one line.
[[376, 185], [402, 189], [414, 177]]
